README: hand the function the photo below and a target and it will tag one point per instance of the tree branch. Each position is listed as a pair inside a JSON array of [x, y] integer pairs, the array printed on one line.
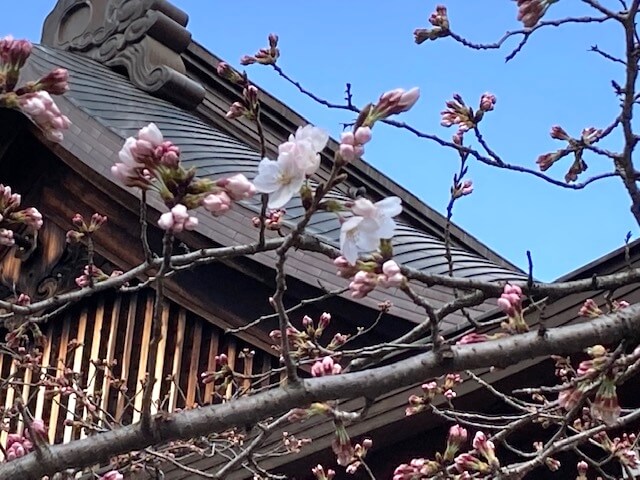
[[370, 383]]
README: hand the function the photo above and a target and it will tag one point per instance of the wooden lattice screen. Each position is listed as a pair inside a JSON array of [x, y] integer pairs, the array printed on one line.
[[117, 327]]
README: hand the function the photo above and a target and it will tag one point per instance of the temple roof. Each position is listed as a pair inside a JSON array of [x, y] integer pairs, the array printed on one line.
[[122, 108]]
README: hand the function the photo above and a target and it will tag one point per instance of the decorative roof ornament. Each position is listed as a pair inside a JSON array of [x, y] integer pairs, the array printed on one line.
[[142, 37]]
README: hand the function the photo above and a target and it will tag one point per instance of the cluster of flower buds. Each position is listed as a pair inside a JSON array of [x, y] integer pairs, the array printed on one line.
[[590, 309], [531, 11], [142, 158], [11, 217], [467, 462], [551, 463], [455, 440], [623, 448], [315, 332], [292, 444], [19, 445], [304, 344], [360, 451], [46, 114], [444, 386], [177, 220], [33, 98], [325, 366], [352, 143], [440, 21], [366, 276], [460, 114], [92, 274], [320, 474], [574, 145], [248, 107], [264, 56], [13, 55], [149, 161], [273, 219], [228, 190], [597, 370], [416, 468], [511, 304], [83, 229], [223, 372], [460, 189]]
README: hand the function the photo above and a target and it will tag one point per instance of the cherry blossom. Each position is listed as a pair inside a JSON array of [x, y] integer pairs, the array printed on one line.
[[305, 146], [281, 179], [370, 223], [297, 158]]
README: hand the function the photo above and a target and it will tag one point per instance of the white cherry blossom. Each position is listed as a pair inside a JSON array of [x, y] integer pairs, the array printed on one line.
[[281, 179], [370, 223]]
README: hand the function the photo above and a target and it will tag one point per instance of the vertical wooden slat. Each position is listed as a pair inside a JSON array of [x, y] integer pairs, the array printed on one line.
[[194, 375], [162, 345], [126, 354], [231, 358], [175, 372], [248, 368], [8, 401], [76, 366], [111, 349], [62, 356], [46, 353], [95, 353], [144, 352], [213, 351]]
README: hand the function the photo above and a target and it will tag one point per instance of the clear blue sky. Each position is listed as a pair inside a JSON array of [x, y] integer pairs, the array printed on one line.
[[555, 80]]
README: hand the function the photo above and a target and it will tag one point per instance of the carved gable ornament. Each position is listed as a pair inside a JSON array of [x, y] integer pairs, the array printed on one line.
[[142, 37]]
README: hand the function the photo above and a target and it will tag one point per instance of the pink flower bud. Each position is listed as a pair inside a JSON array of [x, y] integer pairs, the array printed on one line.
[[347, 138], [55, 82], [238, 187], [363, 135], [217, 203], [347, 152]]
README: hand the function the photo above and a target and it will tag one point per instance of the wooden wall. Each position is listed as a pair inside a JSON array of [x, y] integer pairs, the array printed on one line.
[[116, 328]]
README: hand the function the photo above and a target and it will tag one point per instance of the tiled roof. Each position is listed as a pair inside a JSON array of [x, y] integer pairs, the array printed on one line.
[[122, 108]]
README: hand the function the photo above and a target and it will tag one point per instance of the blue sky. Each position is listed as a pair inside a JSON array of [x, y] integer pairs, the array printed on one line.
[[555, 80]]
